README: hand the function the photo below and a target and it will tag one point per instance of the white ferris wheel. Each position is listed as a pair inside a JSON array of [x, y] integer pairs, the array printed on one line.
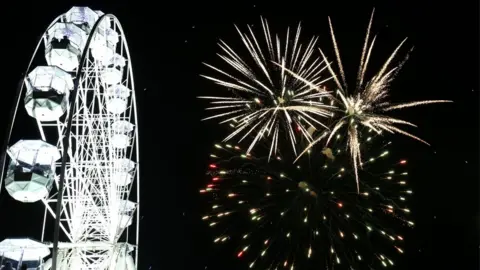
[[83, 163]]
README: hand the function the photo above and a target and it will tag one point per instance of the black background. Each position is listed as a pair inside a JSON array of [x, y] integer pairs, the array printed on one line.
[[169, 40]]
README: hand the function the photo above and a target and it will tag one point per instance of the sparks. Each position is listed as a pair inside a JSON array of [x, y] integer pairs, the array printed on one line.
[[267, 100], [305, 210], [367, 103]]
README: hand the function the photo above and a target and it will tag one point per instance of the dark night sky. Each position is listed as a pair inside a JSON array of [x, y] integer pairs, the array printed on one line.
[[168, 41]]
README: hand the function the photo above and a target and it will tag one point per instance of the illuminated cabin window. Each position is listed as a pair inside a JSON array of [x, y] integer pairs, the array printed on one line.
[[122, 134], [104, 42], [31, 171], [122, 171], [125, 215], [47, 92], [112, 72], [84, 17], [116, 100], [65, 43]]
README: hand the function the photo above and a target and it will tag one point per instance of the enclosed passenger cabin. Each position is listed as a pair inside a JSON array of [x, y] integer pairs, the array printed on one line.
[[116, 100], [106, 22], [104, 44], [31, 171], [83, 17], [125, 262], [64, 45], [122, 171], [124, 258], [47, 92], [112, 72], [22, 253], [121, 134], [105, 39], [126, 210]]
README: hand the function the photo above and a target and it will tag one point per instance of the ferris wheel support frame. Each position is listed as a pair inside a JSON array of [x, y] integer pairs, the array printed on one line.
[[66, 138]]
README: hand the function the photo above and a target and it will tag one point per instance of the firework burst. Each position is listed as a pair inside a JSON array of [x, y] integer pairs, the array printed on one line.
[[367, 104], [265, 101], [279, 215]]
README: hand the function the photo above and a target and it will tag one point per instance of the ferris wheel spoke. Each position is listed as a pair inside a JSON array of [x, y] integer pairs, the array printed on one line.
[[52, 212]]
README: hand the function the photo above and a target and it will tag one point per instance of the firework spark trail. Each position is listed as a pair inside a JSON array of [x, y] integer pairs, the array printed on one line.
[[306, 215], [266, 99], [366, 105], [363, 62]]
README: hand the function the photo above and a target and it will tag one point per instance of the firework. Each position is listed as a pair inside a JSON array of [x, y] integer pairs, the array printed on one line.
[[367, 104], [279, 215], [264, 101]]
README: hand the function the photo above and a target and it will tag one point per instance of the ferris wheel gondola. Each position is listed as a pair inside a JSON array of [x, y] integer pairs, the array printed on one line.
[[86, 150]]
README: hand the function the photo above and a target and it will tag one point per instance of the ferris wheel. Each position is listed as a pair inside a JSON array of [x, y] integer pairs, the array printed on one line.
[[83, 164]]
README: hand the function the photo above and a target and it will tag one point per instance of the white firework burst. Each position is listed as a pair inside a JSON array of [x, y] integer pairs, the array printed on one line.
[[264, 100], [367, 104]]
